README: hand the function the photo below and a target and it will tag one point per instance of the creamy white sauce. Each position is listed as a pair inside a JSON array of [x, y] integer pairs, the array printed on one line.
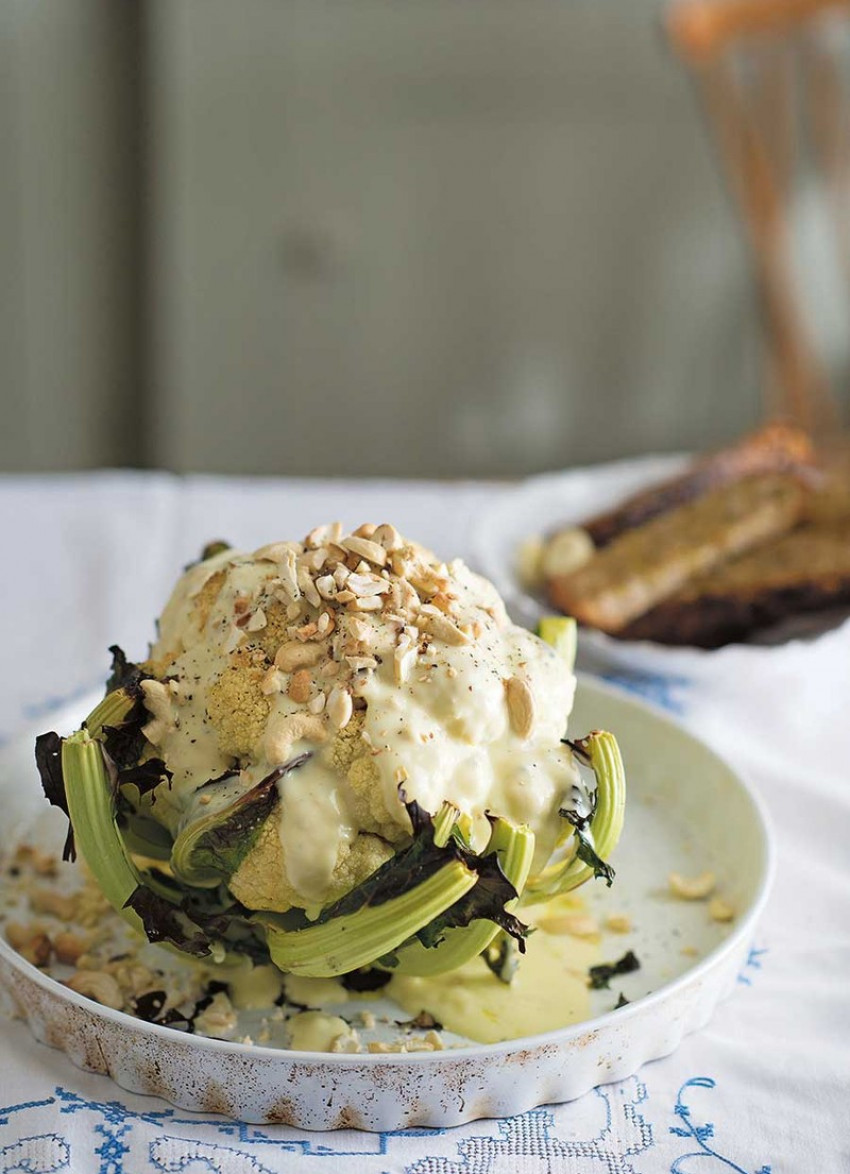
[[251, 988], [313, 1031], [176, 627], [315, 827], [549, 990], [446, 731], [314, 993], [443, 733]]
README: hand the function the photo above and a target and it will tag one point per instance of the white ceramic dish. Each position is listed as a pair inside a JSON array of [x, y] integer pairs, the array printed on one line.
[[688, 811]]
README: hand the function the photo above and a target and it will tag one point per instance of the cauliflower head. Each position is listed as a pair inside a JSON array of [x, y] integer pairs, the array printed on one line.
[[358, 672]]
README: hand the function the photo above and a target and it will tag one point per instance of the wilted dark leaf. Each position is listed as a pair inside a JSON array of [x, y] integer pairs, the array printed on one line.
[[164, 922], [48, 759], [146, 776], [601, 975], [365, 980], [224, 840]]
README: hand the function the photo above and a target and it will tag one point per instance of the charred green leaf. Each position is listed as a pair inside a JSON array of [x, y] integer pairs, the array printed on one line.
[[48, 759], [424, 1021], [149, 1006], [125, 744], [211, 848], [228, 774], [586, 852], [600, 976], [361, 981], [224, 920], [486, 901], [501, 957], [146, 776], [407, 869], [124, 674], [164, 922]]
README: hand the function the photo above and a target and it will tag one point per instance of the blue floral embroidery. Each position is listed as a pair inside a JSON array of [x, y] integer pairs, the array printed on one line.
[[165, 1138], [44, 1154], [113, 1148], [753, 962], [115, 1127], [625, 1134], [10, 1110], [175, 1154], [701, 1134], [661, 688], [114, 1130]]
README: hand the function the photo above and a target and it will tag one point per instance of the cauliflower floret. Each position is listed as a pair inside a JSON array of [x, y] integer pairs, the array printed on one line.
[[274, 633], [195, 612], [368, 803], [347, 745], [351, 756], [261, 881], [237, 707]]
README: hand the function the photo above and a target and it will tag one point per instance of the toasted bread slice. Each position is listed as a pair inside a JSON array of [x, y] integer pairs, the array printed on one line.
[[802, 572], [776, 448], [831, 500], [647, 565]]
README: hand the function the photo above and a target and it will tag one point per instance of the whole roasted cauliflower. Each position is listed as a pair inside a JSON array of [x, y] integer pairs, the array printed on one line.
[[340, 752]]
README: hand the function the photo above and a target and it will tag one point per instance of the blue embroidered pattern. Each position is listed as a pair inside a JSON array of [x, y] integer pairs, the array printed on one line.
[[624, 1134], [35, 1155], [701, 1134], [753, 962], [164, 1140], [527, 1138], [114, 1126]]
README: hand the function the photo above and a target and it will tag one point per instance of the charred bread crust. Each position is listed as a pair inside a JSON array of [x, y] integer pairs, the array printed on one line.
[[649, 564], [802, 573], [776, 448]]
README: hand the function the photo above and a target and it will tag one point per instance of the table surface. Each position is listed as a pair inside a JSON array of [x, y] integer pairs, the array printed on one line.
[[763, 1088]]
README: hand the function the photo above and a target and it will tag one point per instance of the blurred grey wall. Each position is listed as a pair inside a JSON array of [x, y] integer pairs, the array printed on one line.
[[70, 298], [360, 236]]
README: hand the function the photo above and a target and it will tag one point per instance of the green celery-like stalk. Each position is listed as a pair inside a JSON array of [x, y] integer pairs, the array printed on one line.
[[92, 811], [111, 711], [601, 752], [350, 941], [146, 837], [561, 632], [514, 847], [444, 822]]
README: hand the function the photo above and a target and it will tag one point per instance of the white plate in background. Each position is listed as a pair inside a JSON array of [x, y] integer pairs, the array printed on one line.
[[687, 810], [547, 503], [554, 501]]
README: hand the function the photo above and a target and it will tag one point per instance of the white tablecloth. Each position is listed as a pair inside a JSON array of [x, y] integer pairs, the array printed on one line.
[[87, 562]]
